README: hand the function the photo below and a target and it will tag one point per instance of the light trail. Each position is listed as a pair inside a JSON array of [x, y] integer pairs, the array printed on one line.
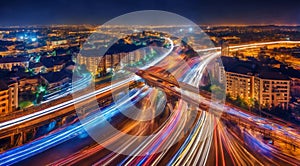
[[20, 153], [149, 146], [149, 158], [161, 57], [16, 155], [53, 109], [149, 65], [245, 46], [194, 144], [72, 159], [112, 156], [196, 147], [26, 118], [68, 89]]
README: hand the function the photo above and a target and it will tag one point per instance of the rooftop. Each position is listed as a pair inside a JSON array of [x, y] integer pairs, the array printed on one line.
[[53, 77], [14, 59], [252, 68], [272, 75], [55, 60], [3, 85]]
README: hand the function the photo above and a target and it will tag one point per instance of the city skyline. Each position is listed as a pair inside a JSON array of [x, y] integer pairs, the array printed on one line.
[[219, 12], [168, 83]]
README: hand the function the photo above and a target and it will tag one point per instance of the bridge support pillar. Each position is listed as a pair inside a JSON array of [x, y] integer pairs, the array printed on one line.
[[12, 140], [20, 139]]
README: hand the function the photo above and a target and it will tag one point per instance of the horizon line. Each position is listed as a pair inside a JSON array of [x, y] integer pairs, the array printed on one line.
[[215, 25]]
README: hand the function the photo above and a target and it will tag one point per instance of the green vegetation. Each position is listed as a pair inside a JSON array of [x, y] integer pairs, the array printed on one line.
[[216, 88], [40, 92], [238, 101], [24, 104]]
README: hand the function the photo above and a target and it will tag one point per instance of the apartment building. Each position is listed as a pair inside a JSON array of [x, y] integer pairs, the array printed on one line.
[[269, 88], [8, 97], [9, 62]]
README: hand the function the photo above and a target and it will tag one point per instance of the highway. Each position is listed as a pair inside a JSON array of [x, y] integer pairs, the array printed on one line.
[[253, 45], [197, 145], [62, 135], [280, 132], [68, 88], [262, 122], [252, 120], [184, 135], [50, 110]]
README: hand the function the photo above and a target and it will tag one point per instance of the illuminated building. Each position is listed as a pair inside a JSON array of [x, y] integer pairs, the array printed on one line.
[[57, 42], [10, 62], [269, 88], [36, 67], [274, 89], [106, 63], [56, 79], [8, 97], [91, 63], [239, 85]]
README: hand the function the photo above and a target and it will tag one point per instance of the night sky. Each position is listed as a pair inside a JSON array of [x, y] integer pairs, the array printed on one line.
[[44, 12]]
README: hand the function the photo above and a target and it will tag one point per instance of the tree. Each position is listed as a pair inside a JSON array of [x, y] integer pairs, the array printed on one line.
[[40, 92]]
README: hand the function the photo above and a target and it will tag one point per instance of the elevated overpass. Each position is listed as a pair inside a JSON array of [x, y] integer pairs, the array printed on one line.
[[252, 45], [20, 130], [171, 87]]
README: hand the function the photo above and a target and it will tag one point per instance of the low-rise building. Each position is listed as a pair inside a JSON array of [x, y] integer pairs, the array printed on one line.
[[56, 42], [56, 79], [8, 97], [95, 65], [36, 67], [55, 63], [274, 89], [29, 83], [9, 62]]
